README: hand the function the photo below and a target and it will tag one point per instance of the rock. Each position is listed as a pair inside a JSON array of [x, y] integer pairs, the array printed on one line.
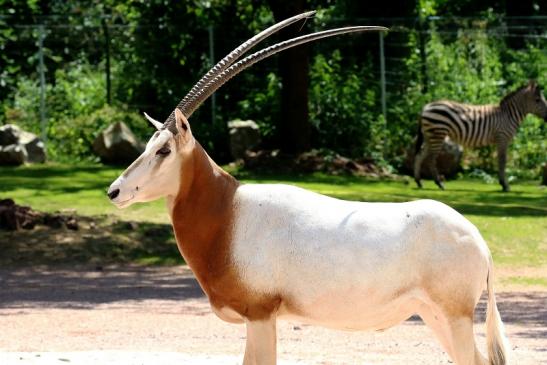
[[312, 161], [13, 154], [131, 226], [19, 146], [13, 216], [448, 161], [54, 221], [36, 150], [9, 134], [244, 136], [71, 223], [117, 144]]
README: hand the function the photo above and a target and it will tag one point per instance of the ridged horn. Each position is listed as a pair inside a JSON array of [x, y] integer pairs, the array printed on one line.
[[229, 59], [220, 79]]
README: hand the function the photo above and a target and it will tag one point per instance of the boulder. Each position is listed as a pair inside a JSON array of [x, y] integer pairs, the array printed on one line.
[[36, 150], [13, 154], [244, 136], [18, 146], [9, 134], [448, 161], [117, 144]]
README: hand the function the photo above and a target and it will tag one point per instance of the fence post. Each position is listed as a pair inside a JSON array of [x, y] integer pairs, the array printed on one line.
[[107, 66], [212, 58], [423, 57], [383, 75], [41, 71]]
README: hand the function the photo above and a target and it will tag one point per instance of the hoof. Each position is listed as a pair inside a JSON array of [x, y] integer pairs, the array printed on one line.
[[505, 189], [440, 185], [418, 183]]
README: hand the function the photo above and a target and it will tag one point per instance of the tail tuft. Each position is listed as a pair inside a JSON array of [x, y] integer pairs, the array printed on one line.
[[495, 337]]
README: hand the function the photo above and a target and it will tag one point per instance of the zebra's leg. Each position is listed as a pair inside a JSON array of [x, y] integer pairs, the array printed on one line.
[[434, 150], [502, 161], [418, 160]]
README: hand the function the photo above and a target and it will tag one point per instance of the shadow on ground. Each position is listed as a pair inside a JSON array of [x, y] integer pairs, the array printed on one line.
[[87, 289], [99, 240]]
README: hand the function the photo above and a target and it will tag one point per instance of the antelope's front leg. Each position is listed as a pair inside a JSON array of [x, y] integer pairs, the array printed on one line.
[[260, 348]]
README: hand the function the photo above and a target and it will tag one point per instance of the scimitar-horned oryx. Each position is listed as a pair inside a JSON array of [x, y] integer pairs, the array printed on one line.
[[262, 252]]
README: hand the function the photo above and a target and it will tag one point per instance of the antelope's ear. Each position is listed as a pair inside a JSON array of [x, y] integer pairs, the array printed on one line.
[[183, 127], [154, 122]]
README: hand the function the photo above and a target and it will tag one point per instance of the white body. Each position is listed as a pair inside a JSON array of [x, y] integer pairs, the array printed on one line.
[[340, 264], [352, 265]]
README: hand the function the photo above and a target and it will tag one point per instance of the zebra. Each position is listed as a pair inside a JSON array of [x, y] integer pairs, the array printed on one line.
[[475, 126]]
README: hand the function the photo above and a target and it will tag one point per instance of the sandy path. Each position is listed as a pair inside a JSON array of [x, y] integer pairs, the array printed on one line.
[[153, 315]]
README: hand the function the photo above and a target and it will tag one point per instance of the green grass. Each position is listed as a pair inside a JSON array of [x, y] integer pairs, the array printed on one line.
[[514, 224], [83, 188], [526, 281]]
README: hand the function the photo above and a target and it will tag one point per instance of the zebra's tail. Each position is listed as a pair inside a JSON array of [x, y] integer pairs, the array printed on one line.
[[420, 139]]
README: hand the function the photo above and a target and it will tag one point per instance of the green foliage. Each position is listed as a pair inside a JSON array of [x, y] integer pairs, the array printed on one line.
[[470, 67], [75, 114], [342, 107], [467, 70], [268, 99], [159, 49], [78, 90], [527, 152], [82, 131]]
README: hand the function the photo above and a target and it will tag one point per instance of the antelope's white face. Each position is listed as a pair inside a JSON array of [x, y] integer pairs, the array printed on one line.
[[156, 172]]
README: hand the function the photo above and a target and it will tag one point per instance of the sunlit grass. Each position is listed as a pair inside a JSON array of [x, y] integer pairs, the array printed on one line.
[[514, 224]]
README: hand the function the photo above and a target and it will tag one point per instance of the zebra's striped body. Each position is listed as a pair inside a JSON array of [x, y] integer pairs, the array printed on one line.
[[475, 126]]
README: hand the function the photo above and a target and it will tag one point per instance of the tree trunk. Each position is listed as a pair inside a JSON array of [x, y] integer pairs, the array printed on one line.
[[294, 129]]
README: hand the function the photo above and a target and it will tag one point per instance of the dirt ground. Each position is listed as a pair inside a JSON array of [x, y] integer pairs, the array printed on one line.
[[158, 315]]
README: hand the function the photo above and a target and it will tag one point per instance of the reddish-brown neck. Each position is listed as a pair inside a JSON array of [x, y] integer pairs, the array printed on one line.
[[202, 216]]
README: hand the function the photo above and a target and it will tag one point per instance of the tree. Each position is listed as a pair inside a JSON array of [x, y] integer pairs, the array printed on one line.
[[294, 129]]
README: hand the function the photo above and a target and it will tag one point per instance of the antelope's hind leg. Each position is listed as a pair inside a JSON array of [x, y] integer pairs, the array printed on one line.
[[455, 333], [463, 342], [260, 348]]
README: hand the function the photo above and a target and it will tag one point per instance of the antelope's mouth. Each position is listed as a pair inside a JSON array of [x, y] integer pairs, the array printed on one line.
[[123, 203]]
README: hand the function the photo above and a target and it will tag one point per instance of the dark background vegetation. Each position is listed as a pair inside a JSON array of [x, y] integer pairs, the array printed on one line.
[[325, 95]]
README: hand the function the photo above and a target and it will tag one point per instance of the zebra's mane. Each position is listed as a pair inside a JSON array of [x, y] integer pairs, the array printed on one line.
[[512, 94]]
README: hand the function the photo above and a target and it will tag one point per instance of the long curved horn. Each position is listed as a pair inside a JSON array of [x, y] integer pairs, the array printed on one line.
[[237, 53], [250, 60]]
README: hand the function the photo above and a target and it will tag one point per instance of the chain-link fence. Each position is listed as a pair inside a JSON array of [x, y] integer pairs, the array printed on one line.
[[469, 59]]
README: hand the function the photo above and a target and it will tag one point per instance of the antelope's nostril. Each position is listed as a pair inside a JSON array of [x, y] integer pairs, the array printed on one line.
[[113, 194]]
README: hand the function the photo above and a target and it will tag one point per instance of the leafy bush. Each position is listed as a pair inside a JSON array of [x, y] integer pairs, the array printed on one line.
[[471, 68], [342, 107], [75, 114], [80, 132]]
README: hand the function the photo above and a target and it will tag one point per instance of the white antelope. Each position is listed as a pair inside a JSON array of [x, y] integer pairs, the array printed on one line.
[[262, 252]]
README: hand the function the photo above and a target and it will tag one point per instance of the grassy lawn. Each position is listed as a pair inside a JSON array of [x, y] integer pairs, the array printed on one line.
[[514, 224]]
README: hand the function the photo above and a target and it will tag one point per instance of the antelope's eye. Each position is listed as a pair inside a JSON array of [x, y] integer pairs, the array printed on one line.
[[164, 151]]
